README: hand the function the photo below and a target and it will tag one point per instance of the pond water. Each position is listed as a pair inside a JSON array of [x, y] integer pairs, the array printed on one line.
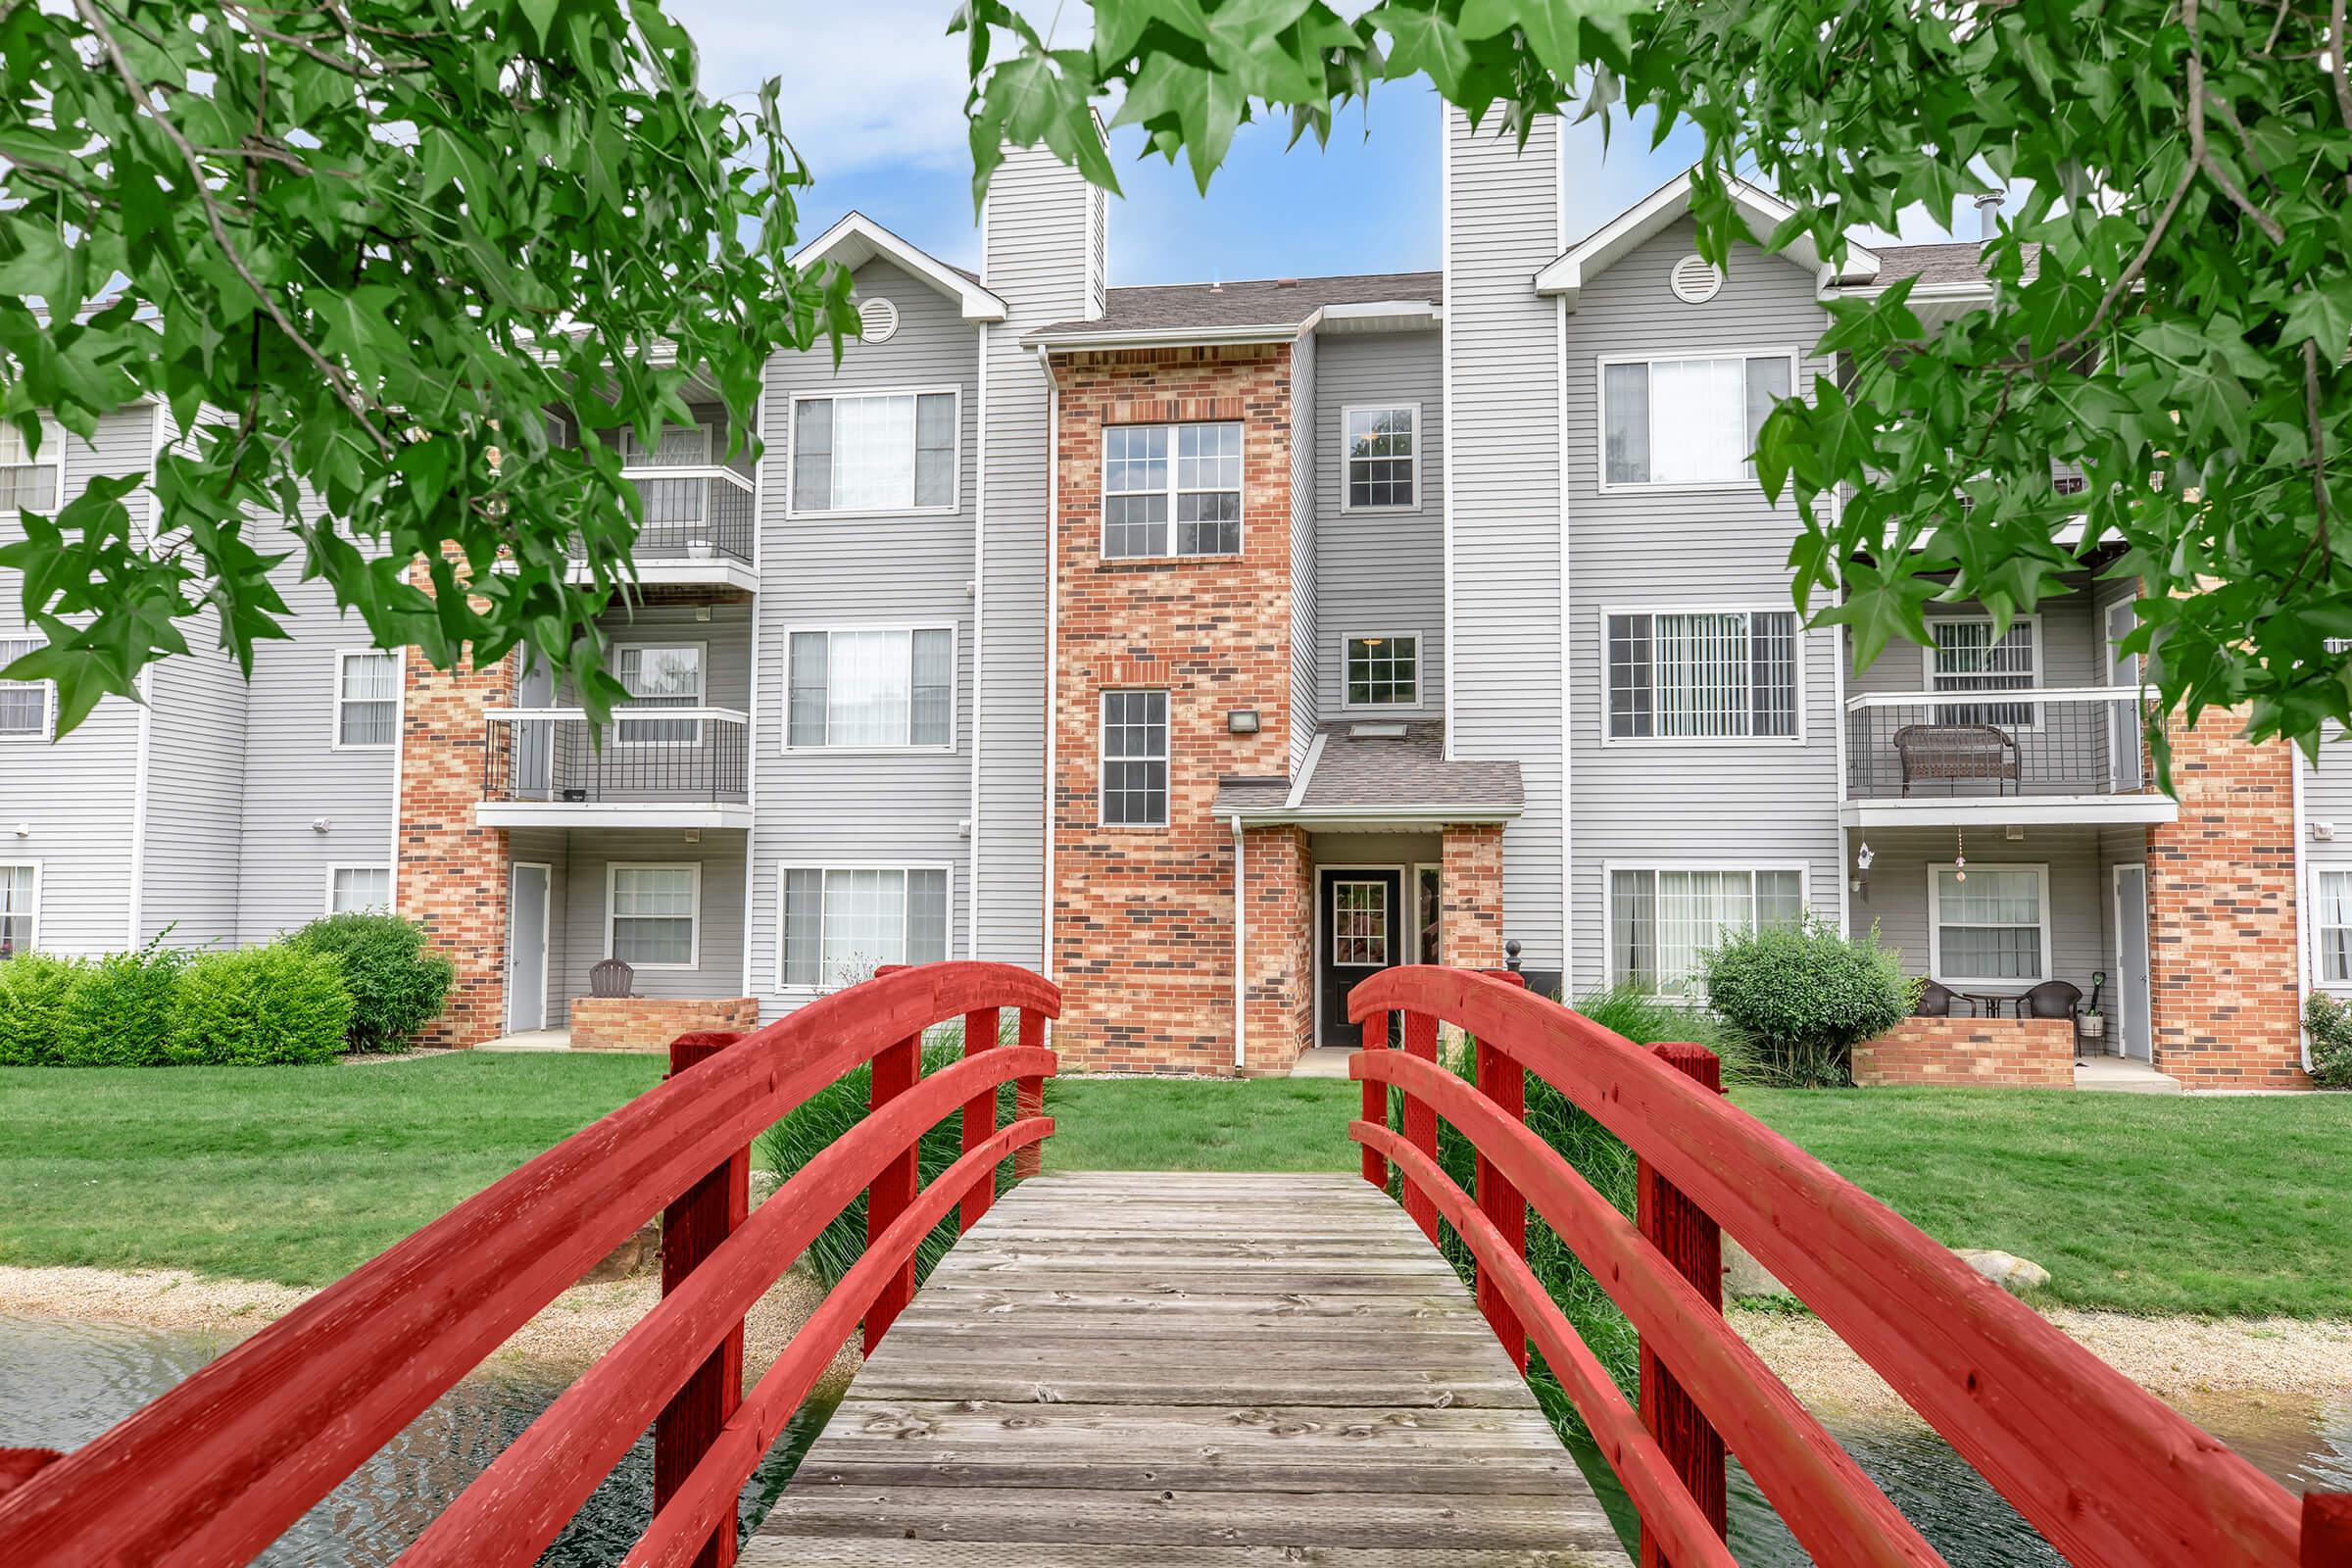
[[63, 1383]]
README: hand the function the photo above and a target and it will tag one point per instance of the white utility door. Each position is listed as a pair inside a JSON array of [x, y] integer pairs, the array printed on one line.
[[2132, 1035], [528, 889], [2124, 769]]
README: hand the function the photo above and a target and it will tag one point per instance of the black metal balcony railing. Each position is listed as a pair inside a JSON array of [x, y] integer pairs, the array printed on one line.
[[649, 755], [2009, 742], [694, 514]]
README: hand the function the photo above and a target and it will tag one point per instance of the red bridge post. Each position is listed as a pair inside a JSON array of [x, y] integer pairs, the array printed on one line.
[[1505, 1082], [2326, 1529], [1421, 1120], [1694, 1243], [897, 1068], [1376, 1100], [692, 1229], [979, 1117], [1029, 1096]]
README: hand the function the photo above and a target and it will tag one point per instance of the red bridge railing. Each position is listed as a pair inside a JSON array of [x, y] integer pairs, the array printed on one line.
[[2108, 1474], [216, 1469]]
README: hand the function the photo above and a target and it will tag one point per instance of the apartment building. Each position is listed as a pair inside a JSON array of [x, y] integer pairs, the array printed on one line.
[[1211, 647]]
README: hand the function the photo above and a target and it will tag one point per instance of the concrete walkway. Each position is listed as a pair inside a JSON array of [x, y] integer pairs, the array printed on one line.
[[2122, 1075], [531, 1040]]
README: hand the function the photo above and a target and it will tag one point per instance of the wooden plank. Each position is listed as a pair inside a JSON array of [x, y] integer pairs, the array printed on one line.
[[772, 1553]]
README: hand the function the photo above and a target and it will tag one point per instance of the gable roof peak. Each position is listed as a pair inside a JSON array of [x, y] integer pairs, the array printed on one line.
[[857, 240], [1649, 216]]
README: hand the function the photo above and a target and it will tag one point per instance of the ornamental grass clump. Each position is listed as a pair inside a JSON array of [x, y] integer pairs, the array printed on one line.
[[1805, 996]]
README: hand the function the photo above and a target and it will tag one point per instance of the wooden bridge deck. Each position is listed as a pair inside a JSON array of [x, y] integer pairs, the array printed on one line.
[[1140, 1371]]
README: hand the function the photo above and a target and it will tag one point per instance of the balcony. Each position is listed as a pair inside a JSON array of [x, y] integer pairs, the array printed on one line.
[[655, 767], [2029, 754], [700, 528]]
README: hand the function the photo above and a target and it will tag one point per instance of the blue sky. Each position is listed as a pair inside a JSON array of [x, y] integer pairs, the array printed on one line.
[[873, 95]]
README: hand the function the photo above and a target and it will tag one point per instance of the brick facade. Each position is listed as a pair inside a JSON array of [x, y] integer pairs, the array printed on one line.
[[1142, 918], [2221, 915], [1971, 1053], [1470, 898], [651, 1024], [1279, 977], [452, 876]]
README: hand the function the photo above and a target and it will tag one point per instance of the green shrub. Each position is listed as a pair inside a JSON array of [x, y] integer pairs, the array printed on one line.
[[257, 1007], [35, 990], [2331, 1027], [121, 1015], [1805, 995], [397, 987]]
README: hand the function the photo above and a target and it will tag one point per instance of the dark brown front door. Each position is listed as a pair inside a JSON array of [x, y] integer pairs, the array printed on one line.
[[1362, 933]]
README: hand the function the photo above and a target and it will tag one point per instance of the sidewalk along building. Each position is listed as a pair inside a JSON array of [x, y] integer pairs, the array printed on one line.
[[1210, 647]]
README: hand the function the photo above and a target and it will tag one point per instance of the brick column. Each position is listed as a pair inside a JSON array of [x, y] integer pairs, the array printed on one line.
[[1470, 898], [452, 874], [2222, 917], [1279, 979]]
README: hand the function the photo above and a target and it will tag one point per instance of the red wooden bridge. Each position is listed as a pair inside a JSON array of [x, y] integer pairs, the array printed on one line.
[[1129, 1370]]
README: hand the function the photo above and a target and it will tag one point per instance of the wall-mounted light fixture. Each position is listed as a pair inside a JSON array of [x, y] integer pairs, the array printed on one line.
[[320, 824], [1241, 721], [23, 830]]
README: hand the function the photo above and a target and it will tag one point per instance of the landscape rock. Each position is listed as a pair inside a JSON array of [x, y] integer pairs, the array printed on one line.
[[1744, 1279], [2014, 1274]]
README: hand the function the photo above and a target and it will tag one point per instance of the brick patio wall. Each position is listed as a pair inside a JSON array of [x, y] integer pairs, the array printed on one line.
[[651, 1024], [1971, 1053], [1470, 898]]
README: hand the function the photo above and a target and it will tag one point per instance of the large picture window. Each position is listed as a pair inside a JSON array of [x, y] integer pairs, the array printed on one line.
[[839, 923], [366, 699], [19, 908], [871, 687], [874, 452], [1728, 674], [1135, 758], [655, 914], [1687, 421], [1965, 657], [660, 676], [1383, 671], [1384, 458], [1172, 489], [24, 704], [1663, 920], [1989, 926], [2331, 926]]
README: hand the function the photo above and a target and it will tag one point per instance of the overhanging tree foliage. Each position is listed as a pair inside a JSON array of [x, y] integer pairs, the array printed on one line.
[[356, 247], [2172, 303]]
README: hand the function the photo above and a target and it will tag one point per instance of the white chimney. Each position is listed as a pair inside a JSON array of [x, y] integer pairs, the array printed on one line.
[[1989, 215]]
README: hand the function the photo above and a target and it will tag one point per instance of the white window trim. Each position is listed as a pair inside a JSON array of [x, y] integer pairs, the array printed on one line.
[[829, 866], [32, 943], [954, 693], [2041, 873], [1417, 504], [1103, 494], [1103, 760], [702, 684], [1945, 695], [2313, 869], [631, 452], [1646, 487], [1804, 644], [53, 455], [1420, 667], [694, 938], [48, 729], [792, 425], [334, 732], [329, 901], [1608, 902]]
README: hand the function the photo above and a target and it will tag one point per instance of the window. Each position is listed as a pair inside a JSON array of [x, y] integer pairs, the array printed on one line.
[[1135, 758], [678, 445], [880, 687], [1660, 920], [1142, 490], [367, 697], [19, 908], [1383, 671], [24, 704], [1965, 658], [1384, 463], [354, 888], [675, 502], [1360, 924], [660, 676], [840, 923], [2332, 920], [1988, 924], [1429, 911], [655, 913], [28, 480], [874, 452], [1702, 675], [1687, 421]]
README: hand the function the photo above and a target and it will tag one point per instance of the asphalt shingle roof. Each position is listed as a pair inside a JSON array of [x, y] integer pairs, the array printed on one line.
[[1372, 771], [1958, 261], [1258, 302]]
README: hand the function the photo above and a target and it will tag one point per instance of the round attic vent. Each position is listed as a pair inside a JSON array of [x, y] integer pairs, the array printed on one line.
[[881, 318], [1694, 281]]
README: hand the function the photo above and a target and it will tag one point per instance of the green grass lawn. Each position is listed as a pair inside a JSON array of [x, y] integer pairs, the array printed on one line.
[[1189, 1124]]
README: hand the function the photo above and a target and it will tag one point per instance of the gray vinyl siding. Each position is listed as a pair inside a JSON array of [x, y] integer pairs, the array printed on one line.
[[818, 572], [2072, 655], [726, 639], [585, 930], [1718, 802], [195, 795], [1035, 228], [2080, 940], [1380, 572], [1307, 702], [1503, 347]]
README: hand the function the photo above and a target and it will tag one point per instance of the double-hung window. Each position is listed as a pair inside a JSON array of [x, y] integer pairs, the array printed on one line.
[[1965, 657], [24, 704], [1663, 919], [1384, 460], [1135, 758], [19, 908], [669, 502], [1172, 489], [871, 687], [660, 676], [28, 480], [2332, 925], [367, 697], [1689, 421], [1383, 671], [874, 452], [1724, 674], [1988, 924], [656, 916], [353, 889], [840, 922]]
